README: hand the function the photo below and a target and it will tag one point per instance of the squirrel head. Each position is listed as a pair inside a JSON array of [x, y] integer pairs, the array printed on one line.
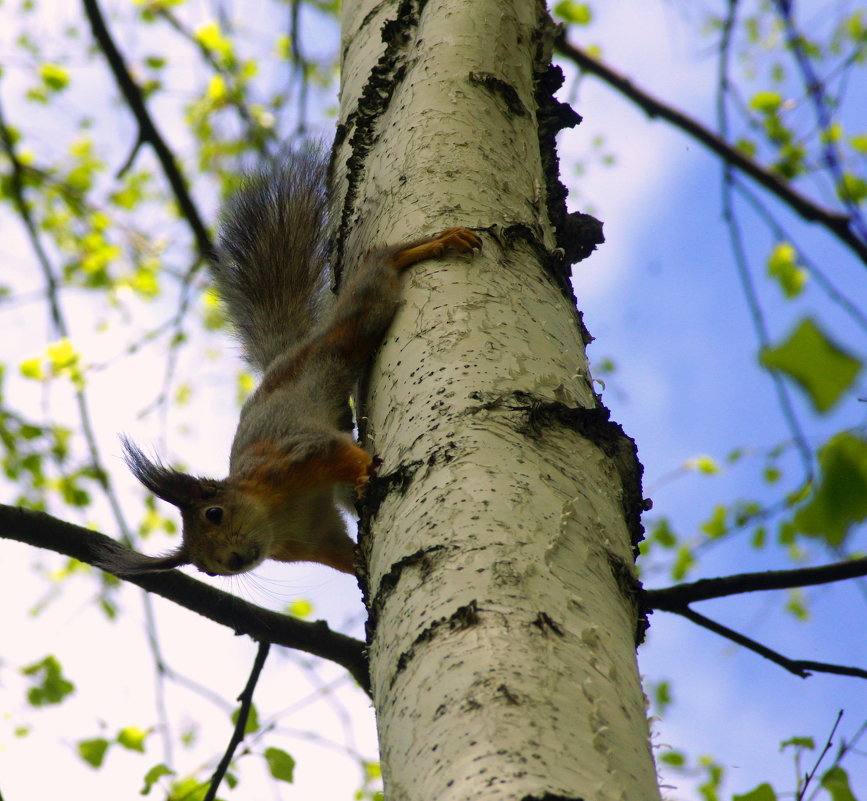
[[225, 531]]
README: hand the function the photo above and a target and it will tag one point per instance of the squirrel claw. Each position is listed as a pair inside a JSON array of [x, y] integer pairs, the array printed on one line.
[[363, 480], [460, 239]]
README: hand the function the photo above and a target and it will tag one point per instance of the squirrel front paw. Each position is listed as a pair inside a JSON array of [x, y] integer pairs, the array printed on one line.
[[353, 465], [460, 239], [463, 240]]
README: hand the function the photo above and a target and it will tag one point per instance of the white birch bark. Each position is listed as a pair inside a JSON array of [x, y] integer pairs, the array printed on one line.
[[502, 630]]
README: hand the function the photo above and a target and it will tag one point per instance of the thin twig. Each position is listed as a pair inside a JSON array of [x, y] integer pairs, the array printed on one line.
[[822, 280], [160, 674], [257, 133], [147, 129], [740, 254], [751, 296], [84, 415], [809, 777], [800, 667], [844, 749], [835, 222], [816, 92], [246, 699]]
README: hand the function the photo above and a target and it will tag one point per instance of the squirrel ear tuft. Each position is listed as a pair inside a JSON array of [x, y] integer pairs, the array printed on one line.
[[179, 488]]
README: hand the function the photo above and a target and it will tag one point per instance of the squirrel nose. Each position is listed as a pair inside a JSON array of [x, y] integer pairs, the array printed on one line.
[[237, 561]]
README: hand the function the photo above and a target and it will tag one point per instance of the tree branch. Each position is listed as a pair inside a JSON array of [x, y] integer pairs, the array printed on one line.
[[246, 699], [44, 531], [835, 222], [800, 667], [828, 744], [675, 598], [147, 129]]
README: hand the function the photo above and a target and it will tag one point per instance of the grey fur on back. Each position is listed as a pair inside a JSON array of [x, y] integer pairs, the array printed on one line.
[[272, 255]]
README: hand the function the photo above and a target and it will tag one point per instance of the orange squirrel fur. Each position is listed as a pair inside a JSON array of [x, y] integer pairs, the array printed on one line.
[[294, 461]]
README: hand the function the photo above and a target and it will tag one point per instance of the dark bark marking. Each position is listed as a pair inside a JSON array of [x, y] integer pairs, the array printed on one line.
[[552, 797], [508, 695], [545, 623], [550, 260], [595, 425], [502, 89], [375, 97], [463, 617], [422, 559]]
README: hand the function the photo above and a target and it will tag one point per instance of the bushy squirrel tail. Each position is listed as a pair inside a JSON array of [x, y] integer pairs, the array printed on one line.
[[272, 256]]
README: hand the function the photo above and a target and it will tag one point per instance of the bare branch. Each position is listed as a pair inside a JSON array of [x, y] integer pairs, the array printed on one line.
[[809, 777], [835, 222], [822, 103], [675, 598], [147, 129], [800, 667], [44, 531], [246, 699]]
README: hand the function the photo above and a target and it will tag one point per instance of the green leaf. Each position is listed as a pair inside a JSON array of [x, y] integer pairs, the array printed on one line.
[[797, 604], [799, 742], [53, 687], [252, 719], [839, 501], [674, 758], [662, 696], [572, 12], [820, 367], [859, 143], [771, 474], [54, 77], [663, 534], [764, 792], [684, 562], [834, 133], [852, 188], [766, 102], [301, 608], [747, 147], [281, 764], [716, 526], [93, 751], [759, 537], [154, 775], [782, 265], [132, 738], [855, 26], [836, 782], [32, 368], [188, 789], [372, 771], [703, 464]]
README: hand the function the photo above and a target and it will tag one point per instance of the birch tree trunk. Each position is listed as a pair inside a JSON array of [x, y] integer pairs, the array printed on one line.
[[499, 536]]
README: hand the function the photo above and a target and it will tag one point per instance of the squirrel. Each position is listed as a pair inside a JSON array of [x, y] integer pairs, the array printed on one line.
[[294, 461]]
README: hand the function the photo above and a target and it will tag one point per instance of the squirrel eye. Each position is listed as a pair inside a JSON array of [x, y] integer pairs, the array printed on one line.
[[214, 514]]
